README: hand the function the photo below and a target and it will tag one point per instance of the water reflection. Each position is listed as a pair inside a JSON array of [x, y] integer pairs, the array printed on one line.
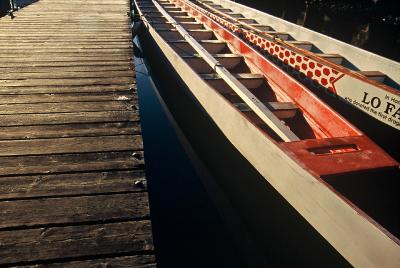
[[22, 3]]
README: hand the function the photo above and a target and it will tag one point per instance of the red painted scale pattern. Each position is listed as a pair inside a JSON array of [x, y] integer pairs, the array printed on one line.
[[314, 70], [317, 72]]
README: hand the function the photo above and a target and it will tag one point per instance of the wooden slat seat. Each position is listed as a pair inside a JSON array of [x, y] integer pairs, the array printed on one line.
[[246, 20], [335, 58], [231, 62], [152, 13], [184, 19], [186, 25], [249, 80], [149, 9], [213, 5], [283, 110], [212, 46], [222, 9], [178, 13], [374, 75], [261, 27], [167, 4], [234, 15], [280, 35], [172, 8], [302, 44], [172, 34]]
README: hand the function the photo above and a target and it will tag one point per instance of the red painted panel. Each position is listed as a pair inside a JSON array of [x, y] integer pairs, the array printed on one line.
[[339, 155]]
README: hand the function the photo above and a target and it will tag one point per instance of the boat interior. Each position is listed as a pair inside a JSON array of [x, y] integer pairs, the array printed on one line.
[[324, 142], [229, 14]]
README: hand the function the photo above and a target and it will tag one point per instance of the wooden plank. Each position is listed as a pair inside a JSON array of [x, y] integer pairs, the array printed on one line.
[[65, 35], [70, 54], [75, 41], [75, 241], [65, 69], [66, 56], [67, 118], [68, 42], [140, 261], [66, 107], [52, 40], [15, 62], [61, 38], [70, 145], [69, 130], [66, 30], [48, 164], [72, 184], [58, 48], [67, 97], [70, 18], [107, 25], [51, 28], [63, 210], [62, 58], [53, 11], [67, 82], [123, 87], [62, 66], [66, 75]]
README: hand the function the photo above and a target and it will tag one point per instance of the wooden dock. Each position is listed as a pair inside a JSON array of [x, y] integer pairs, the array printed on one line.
[[72, 186]]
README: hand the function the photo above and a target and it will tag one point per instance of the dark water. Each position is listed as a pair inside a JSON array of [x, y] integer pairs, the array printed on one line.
[[372, 25], [4, 7]]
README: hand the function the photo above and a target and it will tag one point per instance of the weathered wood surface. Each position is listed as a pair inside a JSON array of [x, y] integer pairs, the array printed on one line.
[[67, 118], [18, 187], [75, 241], [66, 89], [73, 191], [64, 163], [143, 261]]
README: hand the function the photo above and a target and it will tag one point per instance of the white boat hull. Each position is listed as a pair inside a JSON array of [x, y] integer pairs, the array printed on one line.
[[363, 242]]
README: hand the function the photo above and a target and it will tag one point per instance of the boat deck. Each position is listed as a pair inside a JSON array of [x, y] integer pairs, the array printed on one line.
[[72, 184]]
